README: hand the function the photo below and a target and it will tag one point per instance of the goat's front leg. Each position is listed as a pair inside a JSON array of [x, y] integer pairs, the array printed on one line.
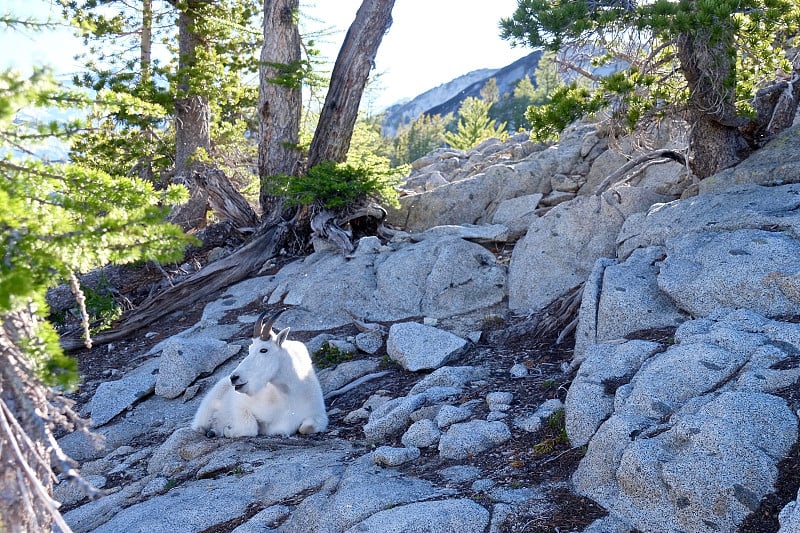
[[311, 425]]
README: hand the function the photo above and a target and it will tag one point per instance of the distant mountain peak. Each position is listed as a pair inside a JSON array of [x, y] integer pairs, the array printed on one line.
[[447, 98]]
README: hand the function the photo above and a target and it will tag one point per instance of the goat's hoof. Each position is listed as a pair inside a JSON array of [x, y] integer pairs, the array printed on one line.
[[211, 433], [307, 428]]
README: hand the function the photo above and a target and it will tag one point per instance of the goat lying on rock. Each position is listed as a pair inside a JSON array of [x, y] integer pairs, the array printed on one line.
[[273, 391]]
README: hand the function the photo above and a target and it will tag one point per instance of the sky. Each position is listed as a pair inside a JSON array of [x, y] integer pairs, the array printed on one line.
[[429, 43]]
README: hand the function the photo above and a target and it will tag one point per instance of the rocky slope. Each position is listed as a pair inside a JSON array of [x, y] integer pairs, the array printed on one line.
[[673, 407]]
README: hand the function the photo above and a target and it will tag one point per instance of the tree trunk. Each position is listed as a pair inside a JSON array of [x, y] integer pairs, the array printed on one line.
[[350, 73], [192, 120], [146, 42], [26, 478], [280, 100], [715, 142], [331, 142], [144, 166]]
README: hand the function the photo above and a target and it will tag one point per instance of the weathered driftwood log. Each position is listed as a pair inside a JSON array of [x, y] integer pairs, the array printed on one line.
[[218, 275], [650, 158], [559, 315]]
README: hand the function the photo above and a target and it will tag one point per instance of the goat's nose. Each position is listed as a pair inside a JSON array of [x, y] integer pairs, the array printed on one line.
[[234, 379]]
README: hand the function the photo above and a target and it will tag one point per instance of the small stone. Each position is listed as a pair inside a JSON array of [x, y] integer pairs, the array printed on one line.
[[499, 398], [368, 245], [533, 422], [217, 253], [342, 346], [429, 412], [315, 344], [449, 415], [483, 485], [369, 342], [476, 436], [421, 434], [354, 417], [512, 496], [375, 401], [439, 394], [519, 371], [421, 347], [391, 456], [392, 417], [460, 473]]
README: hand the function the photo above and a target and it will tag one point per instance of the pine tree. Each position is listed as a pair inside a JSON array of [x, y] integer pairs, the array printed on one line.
[[548, 79], [490, 92], [702, 57], [201, 107], [474, 125], [58, 220], [420, 137]]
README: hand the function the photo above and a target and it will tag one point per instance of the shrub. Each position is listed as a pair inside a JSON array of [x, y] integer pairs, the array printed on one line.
[[337, 185]]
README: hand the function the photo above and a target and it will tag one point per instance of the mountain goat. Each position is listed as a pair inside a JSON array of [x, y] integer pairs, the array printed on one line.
[[273, 391]]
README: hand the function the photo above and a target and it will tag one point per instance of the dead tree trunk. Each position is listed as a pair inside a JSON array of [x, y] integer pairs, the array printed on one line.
[[331, 142], [350, 73], [339, 113], [226, 202]]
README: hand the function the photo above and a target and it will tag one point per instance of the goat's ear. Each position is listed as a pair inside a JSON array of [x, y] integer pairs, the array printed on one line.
[[281, 336]]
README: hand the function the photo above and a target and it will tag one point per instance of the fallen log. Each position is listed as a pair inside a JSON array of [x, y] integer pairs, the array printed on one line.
[[216, 276]]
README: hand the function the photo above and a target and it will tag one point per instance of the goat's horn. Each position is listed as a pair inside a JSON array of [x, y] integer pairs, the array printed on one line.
[[262, 328]]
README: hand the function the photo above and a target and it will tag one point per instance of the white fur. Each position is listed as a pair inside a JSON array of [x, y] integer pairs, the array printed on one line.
[[278, 394]]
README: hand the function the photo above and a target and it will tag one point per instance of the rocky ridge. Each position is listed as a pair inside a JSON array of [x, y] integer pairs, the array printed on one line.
[[447, 98], [673, 412]]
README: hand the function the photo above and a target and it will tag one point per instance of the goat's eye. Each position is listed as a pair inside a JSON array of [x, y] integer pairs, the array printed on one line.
[[263, 350]]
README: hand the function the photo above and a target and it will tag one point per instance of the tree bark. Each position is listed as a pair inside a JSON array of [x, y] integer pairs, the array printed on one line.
[[331, 142], [715, 142], [280, 100], [27, 445], [146, 42], [192, 121], [226, 202], [350, 73], [15, 513]]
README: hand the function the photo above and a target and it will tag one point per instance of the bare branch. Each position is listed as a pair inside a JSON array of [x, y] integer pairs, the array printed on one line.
[[666, 153]]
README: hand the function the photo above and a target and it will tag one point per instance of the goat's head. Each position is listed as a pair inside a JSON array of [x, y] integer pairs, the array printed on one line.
[[265, 357]]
